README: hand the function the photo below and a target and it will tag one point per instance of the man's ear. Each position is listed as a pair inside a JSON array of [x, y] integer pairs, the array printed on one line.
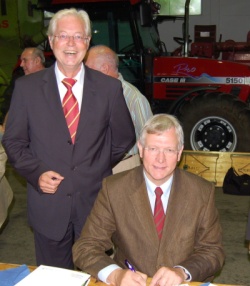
[[180, 153], [50, 38], [37, 60], [140, 149], [105, 69]]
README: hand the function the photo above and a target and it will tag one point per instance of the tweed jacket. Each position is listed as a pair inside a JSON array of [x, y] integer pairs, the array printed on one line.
[[192, 235]]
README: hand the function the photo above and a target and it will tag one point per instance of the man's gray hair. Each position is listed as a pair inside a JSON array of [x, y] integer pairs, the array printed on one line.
[[36, 53], [159, 123], [39, 53], [81, 14]]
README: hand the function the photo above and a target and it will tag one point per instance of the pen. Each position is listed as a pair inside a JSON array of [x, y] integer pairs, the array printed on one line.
[[129, 265], [86, 282]]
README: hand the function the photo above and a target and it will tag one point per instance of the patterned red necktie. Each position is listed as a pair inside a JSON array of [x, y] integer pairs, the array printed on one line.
[[70, 108], [159, 215]]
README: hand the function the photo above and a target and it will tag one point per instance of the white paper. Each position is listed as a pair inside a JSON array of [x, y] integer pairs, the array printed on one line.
[[53, 276], [210, 284]]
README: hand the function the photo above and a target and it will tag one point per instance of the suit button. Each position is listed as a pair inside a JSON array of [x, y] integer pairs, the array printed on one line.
[[74, 168], [69, 196], [69, 142]]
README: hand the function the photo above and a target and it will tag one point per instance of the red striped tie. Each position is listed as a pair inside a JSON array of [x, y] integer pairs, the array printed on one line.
[[70, 108], [159, 215]]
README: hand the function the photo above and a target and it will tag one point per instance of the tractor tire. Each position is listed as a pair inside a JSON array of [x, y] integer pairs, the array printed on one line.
[[216, 121]]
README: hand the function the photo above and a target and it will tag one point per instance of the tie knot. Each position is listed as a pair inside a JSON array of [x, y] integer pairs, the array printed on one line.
[[69, 82], [158, 192]]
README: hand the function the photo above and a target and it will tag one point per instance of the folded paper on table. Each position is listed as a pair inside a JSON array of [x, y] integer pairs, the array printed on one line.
[[10, 277], [54, 276], [202, 284]]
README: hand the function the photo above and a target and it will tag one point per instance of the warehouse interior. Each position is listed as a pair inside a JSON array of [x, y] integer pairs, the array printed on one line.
[[226, 20]]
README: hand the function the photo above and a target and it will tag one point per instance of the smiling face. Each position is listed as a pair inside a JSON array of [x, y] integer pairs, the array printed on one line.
[[69, 53], [159, 167]]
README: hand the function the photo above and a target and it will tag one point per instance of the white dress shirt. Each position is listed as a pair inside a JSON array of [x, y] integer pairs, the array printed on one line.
[[77, 87]]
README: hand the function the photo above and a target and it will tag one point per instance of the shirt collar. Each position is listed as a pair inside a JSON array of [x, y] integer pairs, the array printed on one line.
[[120, 77], [60, 76], [166, 187]]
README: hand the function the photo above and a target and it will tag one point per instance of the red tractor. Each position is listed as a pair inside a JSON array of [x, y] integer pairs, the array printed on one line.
[[208, 95]]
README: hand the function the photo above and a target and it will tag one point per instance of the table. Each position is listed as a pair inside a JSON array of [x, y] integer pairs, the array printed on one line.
[[93, 282]]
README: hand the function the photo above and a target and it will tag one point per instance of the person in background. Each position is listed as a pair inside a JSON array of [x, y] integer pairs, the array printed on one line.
[[68, 125], [160, 218], [32, 60], [105, 60]]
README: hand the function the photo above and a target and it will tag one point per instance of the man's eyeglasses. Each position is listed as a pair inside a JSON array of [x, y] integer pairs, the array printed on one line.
[[77, 38], [165, 151]]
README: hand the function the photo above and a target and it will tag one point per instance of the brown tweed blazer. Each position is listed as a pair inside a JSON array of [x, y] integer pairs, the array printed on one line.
[[192, 234]]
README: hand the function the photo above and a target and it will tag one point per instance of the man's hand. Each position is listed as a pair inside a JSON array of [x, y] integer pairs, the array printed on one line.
[[168, 277], [49, 182], [121, 277]]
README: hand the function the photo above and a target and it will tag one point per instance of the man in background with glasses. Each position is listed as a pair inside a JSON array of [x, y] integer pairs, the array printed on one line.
[[68, 125], [162, 220]]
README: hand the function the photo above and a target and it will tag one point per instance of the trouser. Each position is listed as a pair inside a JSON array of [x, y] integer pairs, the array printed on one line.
[[58, 253]]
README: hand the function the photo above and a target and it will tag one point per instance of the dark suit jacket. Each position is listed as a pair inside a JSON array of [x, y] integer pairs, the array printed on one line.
[[37, 140], [191, 236]]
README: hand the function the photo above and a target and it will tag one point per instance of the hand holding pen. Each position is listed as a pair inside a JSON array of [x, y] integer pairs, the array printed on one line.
[[140, 278], [131, 277], [129, 265]]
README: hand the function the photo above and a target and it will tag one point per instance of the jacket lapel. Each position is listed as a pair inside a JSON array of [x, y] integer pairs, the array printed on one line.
[[140, 203], [52, 96], [174, 215], [88, 101]]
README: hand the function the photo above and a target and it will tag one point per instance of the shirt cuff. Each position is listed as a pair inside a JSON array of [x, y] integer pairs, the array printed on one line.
[[105, 272], [189, 276]]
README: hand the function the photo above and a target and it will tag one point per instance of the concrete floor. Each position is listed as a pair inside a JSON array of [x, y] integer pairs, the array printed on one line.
[[17, 245]]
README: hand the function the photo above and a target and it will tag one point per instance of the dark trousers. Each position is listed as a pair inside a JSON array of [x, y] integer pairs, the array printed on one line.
[[58, 253]]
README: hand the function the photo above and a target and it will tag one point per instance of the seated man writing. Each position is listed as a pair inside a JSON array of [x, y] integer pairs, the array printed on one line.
[[160, 218]]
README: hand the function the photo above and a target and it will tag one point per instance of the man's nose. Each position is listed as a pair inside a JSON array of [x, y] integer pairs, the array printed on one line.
[[161, 157], [71, 40]]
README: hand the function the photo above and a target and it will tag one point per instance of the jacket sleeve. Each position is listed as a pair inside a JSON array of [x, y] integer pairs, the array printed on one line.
[[122, 128], [89, 250], [208, 255], [16, 139]]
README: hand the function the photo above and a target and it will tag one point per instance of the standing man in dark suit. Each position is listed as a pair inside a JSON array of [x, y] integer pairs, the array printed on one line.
[[173, 238], [64, 171]]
